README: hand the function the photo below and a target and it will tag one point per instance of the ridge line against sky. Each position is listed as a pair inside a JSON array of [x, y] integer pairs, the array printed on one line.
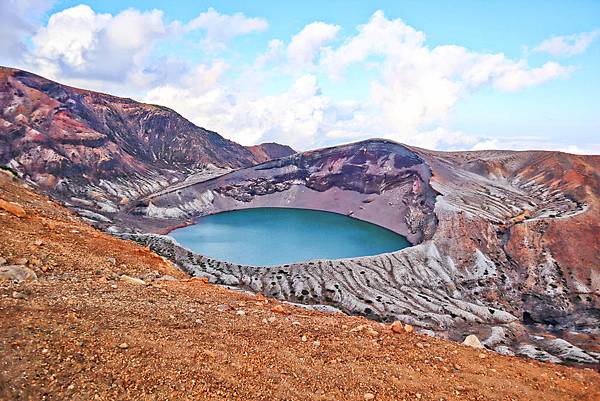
[[459, 76]]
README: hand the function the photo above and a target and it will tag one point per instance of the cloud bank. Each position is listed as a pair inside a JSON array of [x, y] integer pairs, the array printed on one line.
[[411, 89]]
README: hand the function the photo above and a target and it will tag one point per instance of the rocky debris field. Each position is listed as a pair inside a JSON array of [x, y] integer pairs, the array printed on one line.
[[84, 315]]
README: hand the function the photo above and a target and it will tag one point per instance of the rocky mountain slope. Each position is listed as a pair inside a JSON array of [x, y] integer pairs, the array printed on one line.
[[95, 317], [98, 151], [493, 231]]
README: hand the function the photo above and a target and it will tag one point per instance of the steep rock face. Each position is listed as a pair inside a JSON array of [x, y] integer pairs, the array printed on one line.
[[269, 151], [88, 146], [495, 237]]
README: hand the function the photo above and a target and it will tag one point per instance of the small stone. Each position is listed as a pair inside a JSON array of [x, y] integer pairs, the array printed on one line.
[[420, 345], [166, 277], [21, 261], [358, 328], [123, 345], [132, 280], [371, 332], [19, 295], [472, 341], [271, 319], [304, 338], [199, 321], [223, 308], [316, 343], [17, 273], [71, 387], [482, 356], [38, 242], [12, 208], [240, 312], [397, 327], [296, 323], [418, 395], [408, 328], [278, 309], [369, 396], [112, 261], [2, 261]]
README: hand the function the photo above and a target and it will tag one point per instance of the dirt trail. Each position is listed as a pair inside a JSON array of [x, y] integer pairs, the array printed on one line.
[[81, 331]]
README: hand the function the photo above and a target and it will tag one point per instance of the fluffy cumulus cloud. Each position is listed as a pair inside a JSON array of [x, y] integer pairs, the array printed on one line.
[[570, 45], [294, 117], [306, 44], [19, 22], [81, 43], [410, 92], [220, 28]]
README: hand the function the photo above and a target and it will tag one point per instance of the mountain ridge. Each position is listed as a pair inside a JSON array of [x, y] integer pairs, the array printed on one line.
[[68, 140]]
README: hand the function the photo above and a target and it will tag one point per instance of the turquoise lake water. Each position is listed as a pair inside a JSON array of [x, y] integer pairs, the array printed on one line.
[[273, 236]]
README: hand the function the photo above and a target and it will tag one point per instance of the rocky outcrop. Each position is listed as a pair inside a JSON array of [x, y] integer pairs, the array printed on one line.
[[269, 151], [489, 257]]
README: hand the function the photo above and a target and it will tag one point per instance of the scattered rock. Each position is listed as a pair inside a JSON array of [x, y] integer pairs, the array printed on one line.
[[132, 280], [17, 273], [21, 261], [38, 242], [12, 208], [123, 345], [241, 312], [408, 328], [316, 343], [278, 309], [372, 332], [358, 328], [472, 341], [203, 280], [19, 295], [369, 396], [166, 277], [397, 327], [224, 308], [2, 261], [112, 261]]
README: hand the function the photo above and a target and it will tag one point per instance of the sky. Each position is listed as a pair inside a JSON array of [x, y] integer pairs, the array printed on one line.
[[460, 75]]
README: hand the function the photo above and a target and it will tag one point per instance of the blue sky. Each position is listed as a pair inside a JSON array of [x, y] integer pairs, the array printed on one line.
[[445, 75]]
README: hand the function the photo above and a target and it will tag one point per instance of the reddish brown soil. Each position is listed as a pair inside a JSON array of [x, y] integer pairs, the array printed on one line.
[[60, 336]]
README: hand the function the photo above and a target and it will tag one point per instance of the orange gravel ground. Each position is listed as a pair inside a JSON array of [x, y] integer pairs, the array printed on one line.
[[80, 332]]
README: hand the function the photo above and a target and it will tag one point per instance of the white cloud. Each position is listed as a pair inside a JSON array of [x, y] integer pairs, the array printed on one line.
[[220, 28], [19, 21], [306, 44], [411, 93], [409, 101], [80, 44], [533, 143], [569, 45], [294, 117]]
